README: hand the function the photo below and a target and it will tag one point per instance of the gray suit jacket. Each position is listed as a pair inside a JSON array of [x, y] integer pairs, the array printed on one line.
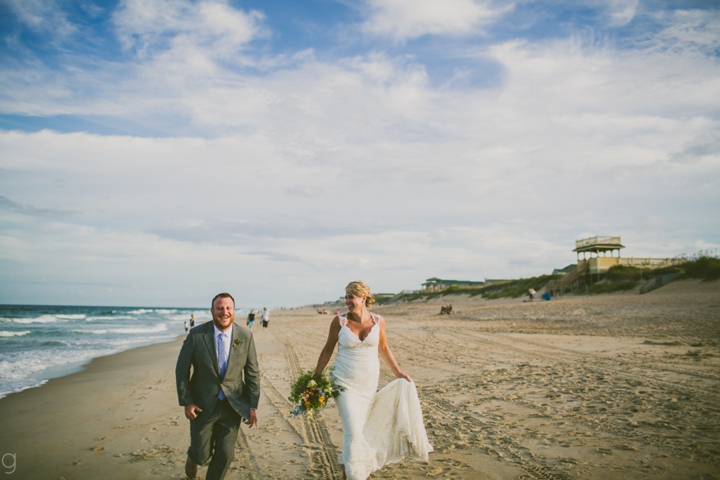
[[241, 383]]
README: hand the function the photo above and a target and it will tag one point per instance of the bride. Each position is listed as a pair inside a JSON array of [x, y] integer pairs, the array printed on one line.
[[378, 428]]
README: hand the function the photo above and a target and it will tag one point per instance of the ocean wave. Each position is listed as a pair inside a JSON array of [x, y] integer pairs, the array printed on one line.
[[92, 332], [4, 334], [112, 319], [160, 327], [18, 373], [7, 388], [54, 338], [41, 319]]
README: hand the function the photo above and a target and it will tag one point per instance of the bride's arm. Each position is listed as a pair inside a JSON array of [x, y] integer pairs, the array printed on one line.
[[329, 347], [387, 355]]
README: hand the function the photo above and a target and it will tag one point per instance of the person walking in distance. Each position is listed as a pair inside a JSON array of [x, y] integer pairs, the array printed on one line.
[[265, 318]]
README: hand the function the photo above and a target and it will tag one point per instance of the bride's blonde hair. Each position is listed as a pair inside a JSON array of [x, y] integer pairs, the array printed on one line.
[[361, 289]]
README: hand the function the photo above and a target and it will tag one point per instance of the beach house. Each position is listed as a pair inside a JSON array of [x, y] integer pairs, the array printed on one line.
[[599, 254], [434, 284]]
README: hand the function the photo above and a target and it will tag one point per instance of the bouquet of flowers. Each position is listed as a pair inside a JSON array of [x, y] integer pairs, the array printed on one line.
[[311, 392]]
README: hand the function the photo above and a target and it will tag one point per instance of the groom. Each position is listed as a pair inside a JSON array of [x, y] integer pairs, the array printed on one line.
[[224, 387]]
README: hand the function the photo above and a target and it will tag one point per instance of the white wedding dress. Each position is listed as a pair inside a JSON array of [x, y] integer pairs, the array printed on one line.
[[378, 428]]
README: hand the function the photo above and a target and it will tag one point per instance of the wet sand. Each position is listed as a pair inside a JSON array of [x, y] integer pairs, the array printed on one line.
[[622, 385]]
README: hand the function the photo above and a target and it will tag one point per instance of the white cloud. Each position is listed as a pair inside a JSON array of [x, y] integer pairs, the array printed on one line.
[[622, 11], [687, 31], [177, 28], [42, 15], [82, 262], [408, 19]]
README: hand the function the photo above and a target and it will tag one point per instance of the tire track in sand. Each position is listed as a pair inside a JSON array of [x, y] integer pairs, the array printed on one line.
[[318, 444], [443, 415], [611, 400]]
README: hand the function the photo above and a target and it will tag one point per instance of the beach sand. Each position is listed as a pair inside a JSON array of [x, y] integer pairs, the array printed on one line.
[[622, 385]]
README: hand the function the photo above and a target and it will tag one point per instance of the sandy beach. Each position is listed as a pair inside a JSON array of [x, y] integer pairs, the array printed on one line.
[[621, 385]]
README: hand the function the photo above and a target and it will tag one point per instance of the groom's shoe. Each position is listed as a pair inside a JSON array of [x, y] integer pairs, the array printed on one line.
[[191, 469]]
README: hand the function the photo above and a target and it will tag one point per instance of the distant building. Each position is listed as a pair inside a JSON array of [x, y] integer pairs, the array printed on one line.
[[597, 264], [592, 263], [597, 245], [563, 271], [434, 284]]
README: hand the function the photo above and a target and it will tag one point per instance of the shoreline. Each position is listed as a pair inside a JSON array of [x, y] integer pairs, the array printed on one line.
[[38, 343], [57, 429], [72, 368]]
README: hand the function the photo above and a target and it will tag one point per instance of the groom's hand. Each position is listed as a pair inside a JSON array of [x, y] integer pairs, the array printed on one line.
[[191, 411], [252, 422]]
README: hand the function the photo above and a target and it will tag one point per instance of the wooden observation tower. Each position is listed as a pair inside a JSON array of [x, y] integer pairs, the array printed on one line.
[[596, 265], [598, 245]]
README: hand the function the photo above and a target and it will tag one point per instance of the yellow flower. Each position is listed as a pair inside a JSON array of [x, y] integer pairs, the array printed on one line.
[[307, 404], [322, 399]]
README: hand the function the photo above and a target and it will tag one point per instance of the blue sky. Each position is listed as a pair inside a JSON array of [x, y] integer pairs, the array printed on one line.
[[154, 153]]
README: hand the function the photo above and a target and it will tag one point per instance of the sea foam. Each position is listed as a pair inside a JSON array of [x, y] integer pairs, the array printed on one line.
[[13, 334], [42, 342]]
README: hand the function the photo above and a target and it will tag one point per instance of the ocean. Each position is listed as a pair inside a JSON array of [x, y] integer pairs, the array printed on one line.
[[38, 343]]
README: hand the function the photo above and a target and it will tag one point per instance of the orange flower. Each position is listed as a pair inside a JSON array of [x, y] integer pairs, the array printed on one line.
[[322, 399], [307, 404]]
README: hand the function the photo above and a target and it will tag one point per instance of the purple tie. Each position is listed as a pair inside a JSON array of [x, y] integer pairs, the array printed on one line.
[[222, 360]]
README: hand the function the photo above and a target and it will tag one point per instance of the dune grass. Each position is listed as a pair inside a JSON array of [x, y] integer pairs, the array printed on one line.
[[610, 287], [509, 289], [702, 266], [620, 278], [517, 288]]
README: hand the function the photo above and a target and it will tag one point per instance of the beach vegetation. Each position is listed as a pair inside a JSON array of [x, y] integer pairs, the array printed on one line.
[[508, 289], [453, 290], [382, 299], [619, 278], [516, 288], [624, 274], [611, 287], [703, 266]]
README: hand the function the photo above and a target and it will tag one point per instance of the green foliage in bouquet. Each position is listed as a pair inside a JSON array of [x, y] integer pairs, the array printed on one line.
[[311, 392]]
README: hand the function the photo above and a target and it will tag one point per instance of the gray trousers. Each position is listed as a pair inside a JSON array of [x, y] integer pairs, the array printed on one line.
[[215, 435]]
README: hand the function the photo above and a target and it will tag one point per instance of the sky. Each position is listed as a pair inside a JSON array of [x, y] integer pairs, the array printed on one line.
[[155, 153]]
